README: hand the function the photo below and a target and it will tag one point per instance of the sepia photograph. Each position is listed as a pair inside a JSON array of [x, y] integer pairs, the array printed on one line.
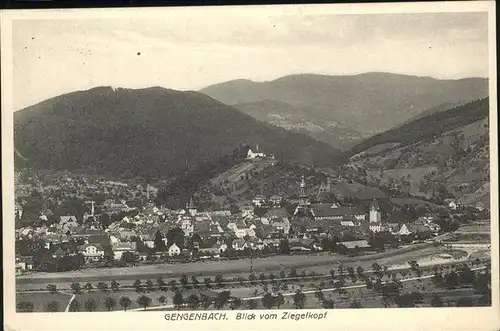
[[260, 162]]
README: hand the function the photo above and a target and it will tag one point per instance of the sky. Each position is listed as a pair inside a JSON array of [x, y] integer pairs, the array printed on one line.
[[194, 49]]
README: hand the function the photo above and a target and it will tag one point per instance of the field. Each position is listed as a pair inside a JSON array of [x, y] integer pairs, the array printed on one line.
[[41, 300]]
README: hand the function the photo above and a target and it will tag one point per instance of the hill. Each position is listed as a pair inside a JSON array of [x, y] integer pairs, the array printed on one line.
[[368, 103], [298, 119], [443, 155], [150, 133], [428, 127]]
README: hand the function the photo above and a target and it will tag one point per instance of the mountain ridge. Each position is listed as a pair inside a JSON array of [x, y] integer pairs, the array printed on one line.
[[124, 131], [387, 99]]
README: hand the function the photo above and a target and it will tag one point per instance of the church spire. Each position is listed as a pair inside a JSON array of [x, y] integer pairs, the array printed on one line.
[[302, 192]]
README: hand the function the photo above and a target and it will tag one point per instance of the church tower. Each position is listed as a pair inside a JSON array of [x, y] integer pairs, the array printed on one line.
[[375, 214], [302, 192], [191, 208], [303, 201]]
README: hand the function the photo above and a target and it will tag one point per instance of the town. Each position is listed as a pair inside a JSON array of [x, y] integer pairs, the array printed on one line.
[[120, 235], [110, 233]]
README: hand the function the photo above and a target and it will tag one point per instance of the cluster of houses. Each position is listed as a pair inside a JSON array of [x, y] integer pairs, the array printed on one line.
[[212, 233]]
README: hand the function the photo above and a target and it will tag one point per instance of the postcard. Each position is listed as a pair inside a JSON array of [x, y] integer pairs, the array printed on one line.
[[251, 167]]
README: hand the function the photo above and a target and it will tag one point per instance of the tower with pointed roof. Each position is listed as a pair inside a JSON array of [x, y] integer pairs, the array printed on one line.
[[191, 208], [303, 200], [375, 217], [302, 192]]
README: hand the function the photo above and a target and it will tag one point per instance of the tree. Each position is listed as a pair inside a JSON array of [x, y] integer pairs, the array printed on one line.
[[194, 281], [221, 299], [389, 291], [144, 301], [466, 276], [206, 301], [280, 300], [328, 304], [173, 285], [159, 244], [436, 301], [149, 285], [299, 300], [219, 280], [128, 257], [162, 285], [252, 304], [178, 300], [482, 284], [125, 302], [293, 273], [184, 281], [376, 267], [235, 303], [360, 271], [114, 285], [355, 304], [53, 306], [88, 287], [25, 306], [268, 300], [52, 288], [110, 303], [74, 306], [193, 301], [138, 285], [162, 299], [75, 287], [102, 286], [451, 280], [319, 294], [341, 269], [208, 282], [90, 304]]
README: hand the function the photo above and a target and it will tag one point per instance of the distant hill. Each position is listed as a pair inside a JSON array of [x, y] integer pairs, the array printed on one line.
[[368, 103], [428, 127], [442, 155], [153, 133], [298, 119]]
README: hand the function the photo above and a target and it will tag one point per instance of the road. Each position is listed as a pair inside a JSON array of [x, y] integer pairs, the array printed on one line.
[[313, 291]]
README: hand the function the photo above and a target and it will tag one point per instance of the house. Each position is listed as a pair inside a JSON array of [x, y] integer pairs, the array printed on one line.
[[187, 225], [259, 201], [174, 250], [403, 231], [355, 244], [451, 204], [239, 244], [253, 155], [91, 252], [301, 244], [66, 219], [331, 212], [24, 263], [276, 200], [121, 247], [349, 221], [215, 249], [270, 242], [255, 244]]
